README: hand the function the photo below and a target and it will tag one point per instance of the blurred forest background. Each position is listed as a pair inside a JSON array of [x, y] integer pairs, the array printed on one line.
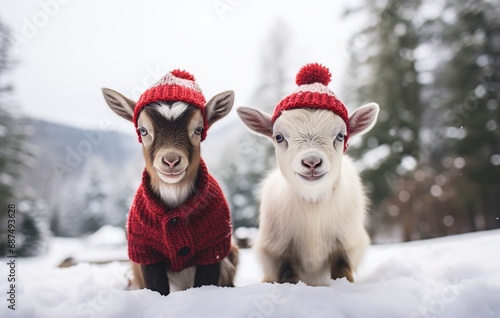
[[431, 165]]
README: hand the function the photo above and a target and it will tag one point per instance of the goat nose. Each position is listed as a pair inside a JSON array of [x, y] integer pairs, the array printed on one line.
[[312, 162], [171, 161]]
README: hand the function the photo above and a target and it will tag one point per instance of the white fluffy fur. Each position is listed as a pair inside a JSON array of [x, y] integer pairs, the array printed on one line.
[[174, 195], [314, 227], [311, 219], [173, 111]]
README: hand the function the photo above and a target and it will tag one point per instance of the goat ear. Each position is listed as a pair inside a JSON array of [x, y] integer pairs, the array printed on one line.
[[363, 119], [121, 105], [219, 106], [256, 120]]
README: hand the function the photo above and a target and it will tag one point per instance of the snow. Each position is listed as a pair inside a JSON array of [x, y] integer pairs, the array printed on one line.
[[108, 236], [456, 276]]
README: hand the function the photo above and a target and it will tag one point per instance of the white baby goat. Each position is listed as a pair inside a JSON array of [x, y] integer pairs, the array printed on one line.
[[313, 205]]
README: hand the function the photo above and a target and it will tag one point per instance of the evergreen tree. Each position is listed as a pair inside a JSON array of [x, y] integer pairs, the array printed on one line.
[[254, 156], [383, 70], [469, 92], [435, 152], [31, 230], [83, 209], [100, 195], [120, 194], [33, 236]]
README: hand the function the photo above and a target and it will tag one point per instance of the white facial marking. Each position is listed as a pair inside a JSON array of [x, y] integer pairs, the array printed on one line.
[[172, 112]]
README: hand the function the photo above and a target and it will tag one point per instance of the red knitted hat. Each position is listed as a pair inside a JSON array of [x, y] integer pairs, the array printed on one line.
[[314, 93], [174, 86]]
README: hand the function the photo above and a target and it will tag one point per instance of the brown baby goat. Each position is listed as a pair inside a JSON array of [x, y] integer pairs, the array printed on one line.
[[179, 228]]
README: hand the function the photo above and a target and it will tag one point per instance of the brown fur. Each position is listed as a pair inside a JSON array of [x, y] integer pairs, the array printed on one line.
[[171, 149], [291, 264], [172, 135], [339, 266]]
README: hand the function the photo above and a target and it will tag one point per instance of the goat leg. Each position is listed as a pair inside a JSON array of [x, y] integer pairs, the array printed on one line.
[[207, 275], [340, 267], [155, 278]]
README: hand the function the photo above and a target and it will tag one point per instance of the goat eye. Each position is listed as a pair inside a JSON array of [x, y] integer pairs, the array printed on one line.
[[279, 138], [198, 130], [143, 131], [340, 136]]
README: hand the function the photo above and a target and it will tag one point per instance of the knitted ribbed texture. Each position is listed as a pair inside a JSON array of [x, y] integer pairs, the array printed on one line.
[[314, 93], [196, 233], [174, 86]]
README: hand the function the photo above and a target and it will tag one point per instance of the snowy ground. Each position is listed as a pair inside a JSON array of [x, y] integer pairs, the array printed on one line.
[[449, 277]]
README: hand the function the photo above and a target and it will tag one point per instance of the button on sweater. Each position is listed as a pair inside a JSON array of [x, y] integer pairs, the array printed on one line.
[[196, 233]]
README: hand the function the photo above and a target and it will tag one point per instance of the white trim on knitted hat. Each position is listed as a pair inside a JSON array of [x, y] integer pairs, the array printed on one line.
[[314, 88], [170, 79]]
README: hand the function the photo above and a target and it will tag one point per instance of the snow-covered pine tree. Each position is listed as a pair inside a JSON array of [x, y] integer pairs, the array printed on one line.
[[252, 157], [101, 194], [83, 208], [433, 66], [120, 192], [31, 229], [382, 69], [467, 86]]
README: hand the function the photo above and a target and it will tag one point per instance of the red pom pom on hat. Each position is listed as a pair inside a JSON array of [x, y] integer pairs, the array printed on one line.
[[183, 74], [313, 73]]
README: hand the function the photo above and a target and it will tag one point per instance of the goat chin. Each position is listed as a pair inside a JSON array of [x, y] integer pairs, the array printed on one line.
[[174, 195], [309, 231], [312, 192]]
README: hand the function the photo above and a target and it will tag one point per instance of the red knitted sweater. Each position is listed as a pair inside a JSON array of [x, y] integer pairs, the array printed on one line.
[[196, 233]]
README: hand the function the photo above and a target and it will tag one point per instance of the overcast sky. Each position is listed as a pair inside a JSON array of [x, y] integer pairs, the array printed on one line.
[[69, 49]]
